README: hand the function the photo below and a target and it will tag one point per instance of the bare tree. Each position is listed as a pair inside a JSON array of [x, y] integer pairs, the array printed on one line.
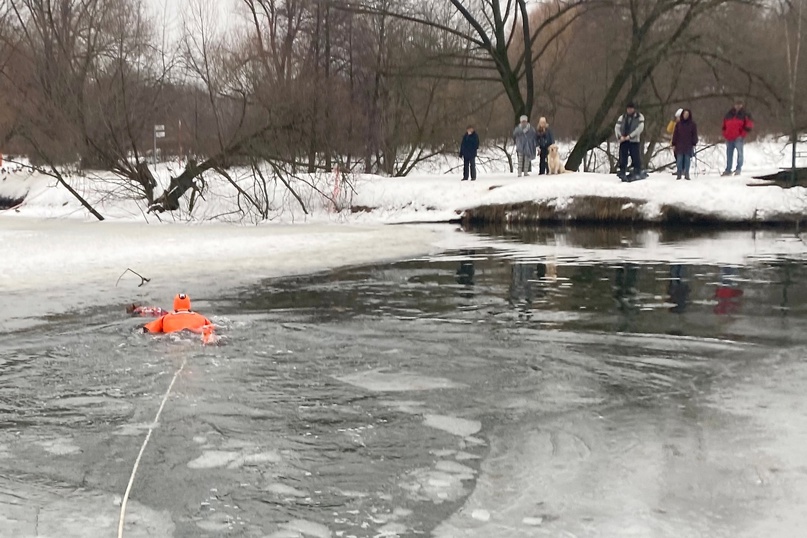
[[655, 30], [492, 29], [792, 13], [90, 84]]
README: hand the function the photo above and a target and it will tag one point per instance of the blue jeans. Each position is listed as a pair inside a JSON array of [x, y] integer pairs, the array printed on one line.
[[468, 164], [682, 162], [730, 147]]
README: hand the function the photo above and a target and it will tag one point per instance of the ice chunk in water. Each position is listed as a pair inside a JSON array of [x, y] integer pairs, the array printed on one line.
[[28, 509], [250, 460], [61, 446], [453, 425], [282, 489], [454, 467], [285, 534], [391, 530], [211, 459], [481, 515], [379, 381], [308, 528]]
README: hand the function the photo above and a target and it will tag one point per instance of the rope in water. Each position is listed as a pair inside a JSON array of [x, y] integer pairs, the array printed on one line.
[[143, 449]]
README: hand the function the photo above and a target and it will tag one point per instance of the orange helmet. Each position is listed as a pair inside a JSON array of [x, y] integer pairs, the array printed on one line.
[[182, 302]]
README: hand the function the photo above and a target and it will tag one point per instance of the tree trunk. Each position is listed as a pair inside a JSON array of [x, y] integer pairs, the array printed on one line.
[[597, 130], [80, 198], [326, 145]]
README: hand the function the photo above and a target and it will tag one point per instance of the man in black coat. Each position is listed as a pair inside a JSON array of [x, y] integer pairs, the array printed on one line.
[[468, 149]]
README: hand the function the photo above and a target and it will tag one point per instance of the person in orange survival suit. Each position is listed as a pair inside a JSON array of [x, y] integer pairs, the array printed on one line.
[[181, 319]]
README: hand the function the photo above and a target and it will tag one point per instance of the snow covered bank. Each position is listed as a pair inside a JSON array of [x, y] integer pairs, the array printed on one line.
[[427, 197], [581, 197]]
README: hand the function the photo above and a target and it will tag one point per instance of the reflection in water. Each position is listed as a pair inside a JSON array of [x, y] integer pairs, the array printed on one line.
[[526, 283], [625, 291], [626, 295], [465, 272], [678, 288], [728, 293], [373, 401]]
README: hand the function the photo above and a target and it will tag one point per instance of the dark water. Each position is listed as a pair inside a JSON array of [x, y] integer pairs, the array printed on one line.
[[380, 400]]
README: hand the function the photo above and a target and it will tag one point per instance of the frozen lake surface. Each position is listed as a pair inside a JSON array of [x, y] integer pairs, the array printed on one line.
[[478, 393]]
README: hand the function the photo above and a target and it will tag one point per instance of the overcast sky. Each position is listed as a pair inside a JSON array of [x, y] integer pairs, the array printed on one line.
[[170, 12]]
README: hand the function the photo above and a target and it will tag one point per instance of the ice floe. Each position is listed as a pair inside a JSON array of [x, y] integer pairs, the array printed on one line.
[[377, 380]]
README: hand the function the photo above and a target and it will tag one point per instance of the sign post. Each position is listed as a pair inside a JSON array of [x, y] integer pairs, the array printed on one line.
[[159, 132]]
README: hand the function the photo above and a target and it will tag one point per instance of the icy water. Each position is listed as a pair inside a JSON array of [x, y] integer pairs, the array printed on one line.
[[485, 393]]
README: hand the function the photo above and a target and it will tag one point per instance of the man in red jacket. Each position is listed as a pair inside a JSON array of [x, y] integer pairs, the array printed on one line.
[[736, 124]]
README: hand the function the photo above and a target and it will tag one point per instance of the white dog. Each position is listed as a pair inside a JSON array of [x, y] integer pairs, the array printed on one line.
[[553, 160]]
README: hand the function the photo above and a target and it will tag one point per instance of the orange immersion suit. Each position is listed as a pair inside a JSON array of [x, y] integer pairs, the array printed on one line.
[[178, 321], [181, 319]]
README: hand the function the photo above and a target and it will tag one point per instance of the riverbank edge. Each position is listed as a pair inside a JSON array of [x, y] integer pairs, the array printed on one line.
[[604, 210]]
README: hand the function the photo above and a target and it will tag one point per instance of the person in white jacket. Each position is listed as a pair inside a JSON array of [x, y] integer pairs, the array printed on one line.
[[628, 131]]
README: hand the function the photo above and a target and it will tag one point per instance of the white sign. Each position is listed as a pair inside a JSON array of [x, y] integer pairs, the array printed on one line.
[[159, 134], [159, 127]]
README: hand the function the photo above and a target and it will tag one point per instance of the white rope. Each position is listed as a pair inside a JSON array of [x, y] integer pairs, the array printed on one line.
[[143, 449]]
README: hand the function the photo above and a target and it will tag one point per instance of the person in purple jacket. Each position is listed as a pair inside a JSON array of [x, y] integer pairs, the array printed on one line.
[[685, 138]]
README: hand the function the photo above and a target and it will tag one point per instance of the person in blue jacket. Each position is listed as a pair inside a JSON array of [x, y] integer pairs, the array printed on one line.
[[545, 139], [468, 149]]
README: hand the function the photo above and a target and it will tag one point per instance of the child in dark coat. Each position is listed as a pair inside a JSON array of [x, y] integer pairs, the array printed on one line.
[[468, 149]]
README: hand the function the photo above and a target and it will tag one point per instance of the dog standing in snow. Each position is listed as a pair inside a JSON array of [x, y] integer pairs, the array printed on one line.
[[555, 166]]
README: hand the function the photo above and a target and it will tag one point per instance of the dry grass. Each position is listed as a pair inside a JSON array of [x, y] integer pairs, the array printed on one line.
[[677, 216], [581, 209], [361, 209], [602, 210], [6, 202]]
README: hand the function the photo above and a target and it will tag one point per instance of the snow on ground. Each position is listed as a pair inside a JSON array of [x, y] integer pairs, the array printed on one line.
[[426, 196]]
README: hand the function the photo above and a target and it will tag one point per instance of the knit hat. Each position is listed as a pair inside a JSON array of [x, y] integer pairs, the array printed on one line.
[[182, 302], [679, 112], [524, 118]]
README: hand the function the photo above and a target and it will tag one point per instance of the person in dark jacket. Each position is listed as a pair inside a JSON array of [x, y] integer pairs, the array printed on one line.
[[737, 123], [545, 139], [685, 138], [468, 149]]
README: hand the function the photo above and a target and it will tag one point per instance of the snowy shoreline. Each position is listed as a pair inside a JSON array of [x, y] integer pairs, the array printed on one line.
[[496, 197]]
